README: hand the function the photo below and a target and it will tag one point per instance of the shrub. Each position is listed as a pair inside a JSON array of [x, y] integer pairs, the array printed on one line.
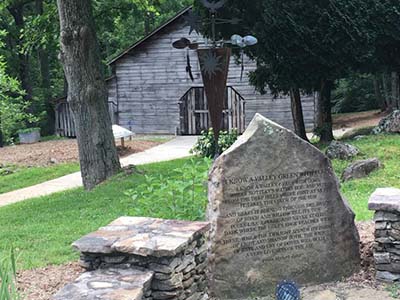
[[28, 130], [206, 147], [174, 196]]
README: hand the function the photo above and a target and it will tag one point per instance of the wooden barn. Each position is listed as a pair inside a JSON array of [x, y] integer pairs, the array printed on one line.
[[150, 91]]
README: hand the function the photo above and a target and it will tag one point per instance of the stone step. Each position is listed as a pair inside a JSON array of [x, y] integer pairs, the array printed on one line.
[[109, 284]]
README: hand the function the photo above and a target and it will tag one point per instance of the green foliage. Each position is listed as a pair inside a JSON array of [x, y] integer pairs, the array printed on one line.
[[34, 44], [28, 130], [12, 105], [394, 290], [44, 228], [301, 42], [206, 146], [355, 93], [8, 273], [178, 192]]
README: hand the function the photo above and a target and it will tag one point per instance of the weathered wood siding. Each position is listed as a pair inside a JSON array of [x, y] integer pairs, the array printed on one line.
[[151, 79]]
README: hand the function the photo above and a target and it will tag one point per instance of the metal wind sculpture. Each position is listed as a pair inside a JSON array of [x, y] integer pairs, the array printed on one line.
[[214, 58]]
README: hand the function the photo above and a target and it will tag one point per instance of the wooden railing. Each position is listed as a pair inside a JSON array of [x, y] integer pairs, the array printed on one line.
[[65, 125], [194, 116]]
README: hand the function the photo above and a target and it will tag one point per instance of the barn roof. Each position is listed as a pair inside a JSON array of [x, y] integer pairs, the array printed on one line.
[[157, 30]]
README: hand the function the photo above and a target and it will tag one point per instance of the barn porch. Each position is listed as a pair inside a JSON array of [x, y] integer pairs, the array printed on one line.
[[194, 116]]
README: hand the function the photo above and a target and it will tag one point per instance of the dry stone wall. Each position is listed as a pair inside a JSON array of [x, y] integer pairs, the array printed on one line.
[[386, 203], [173, 252]]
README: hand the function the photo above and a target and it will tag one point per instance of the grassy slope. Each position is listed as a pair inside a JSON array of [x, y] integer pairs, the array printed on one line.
[[42, 230], [387, 149], [24, 177]]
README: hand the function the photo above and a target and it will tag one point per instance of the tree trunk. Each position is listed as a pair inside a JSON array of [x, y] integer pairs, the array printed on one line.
[[87, 92], [395, 91], [297, 114], [43, 56], [378, 94], [324, 116], [386, 92]]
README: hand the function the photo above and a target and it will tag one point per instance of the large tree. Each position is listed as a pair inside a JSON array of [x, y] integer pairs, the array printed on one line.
[[304, 45], [87, 92]]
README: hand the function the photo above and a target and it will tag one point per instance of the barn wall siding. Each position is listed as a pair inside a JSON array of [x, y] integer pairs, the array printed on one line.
[[150, 81]]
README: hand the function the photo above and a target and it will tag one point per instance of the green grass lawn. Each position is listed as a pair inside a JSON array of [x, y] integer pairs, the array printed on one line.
[[43, 229], [357, 192], [23, 177]]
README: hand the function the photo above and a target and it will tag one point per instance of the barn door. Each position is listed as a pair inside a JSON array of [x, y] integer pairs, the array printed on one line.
[[194, 116]]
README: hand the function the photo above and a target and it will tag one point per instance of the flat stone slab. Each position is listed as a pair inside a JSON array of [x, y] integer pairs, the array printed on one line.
[[385, 199], [110, 284], [142, 236]]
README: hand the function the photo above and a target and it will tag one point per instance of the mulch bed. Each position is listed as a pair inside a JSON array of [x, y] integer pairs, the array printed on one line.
[[43, 283], [56, 152]]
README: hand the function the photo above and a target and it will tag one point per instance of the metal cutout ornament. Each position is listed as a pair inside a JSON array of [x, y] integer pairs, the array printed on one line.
[[215, 77], [194, 22], [211, 63], [214, 57], [213, 6]]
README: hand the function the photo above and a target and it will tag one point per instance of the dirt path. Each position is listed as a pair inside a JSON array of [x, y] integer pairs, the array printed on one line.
[[357, 120]]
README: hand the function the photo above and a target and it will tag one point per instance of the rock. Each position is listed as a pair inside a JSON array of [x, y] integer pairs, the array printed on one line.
[[387, 276], [361, 169], [389, 124], [381, 215], [382, 258], [161, 295], [130, 235], [276, 212], [108, 284], [385, 199], [392, 267], [339, 150], [173, 283]]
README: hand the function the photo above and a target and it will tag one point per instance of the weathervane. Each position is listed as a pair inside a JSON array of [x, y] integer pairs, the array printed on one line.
[[214, 58]]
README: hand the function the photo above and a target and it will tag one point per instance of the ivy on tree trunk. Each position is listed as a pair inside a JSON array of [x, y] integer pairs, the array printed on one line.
[[87, 92]]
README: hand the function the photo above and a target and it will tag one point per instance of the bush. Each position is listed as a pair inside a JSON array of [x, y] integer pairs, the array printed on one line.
[[205, 146], [28, 130], [180, 191]]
